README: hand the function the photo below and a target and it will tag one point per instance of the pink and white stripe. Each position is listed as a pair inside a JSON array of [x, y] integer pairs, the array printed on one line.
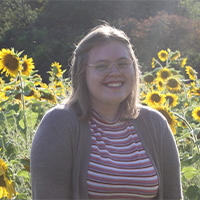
[[119, 166]]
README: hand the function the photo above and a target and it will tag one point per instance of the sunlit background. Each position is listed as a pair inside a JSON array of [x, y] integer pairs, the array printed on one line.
[[37, 39]]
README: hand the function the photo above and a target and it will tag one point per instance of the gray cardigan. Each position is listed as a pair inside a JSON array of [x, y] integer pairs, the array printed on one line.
[[61, 151]]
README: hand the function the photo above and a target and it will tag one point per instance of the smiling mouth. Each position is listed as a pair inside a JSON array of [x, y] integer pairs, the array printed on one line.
[[114, 84]]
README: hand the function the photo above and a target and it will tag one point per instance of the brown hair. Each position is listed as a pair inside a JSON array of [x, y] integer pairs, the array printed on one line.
[[79, 98]]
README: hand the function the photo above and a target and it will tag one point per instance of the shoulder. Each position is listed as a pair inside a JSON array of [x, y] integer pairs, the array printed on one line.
[[59, 118], [151, 117], [60, 110], [148, 112], [60, 114]]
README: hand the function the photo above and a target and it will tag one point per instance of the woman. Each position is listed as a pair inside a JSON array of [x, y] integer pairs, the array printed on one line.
[[101, 144]]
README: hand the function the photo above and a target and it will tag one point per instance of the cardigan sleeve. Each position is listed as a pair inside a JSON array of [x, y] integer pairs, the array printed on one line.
[[160, 145], [167, 155], [170, 162], [51, 158]]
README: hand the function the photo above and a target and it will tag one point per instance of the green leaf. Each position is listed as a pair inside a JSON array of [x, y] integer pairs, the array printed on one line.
[[24, 173], [14, 162], [193, 192], [183, 136], [4, 102], [189, 161], [46, 91], [14, 107], [184, 155], [32, 119], [21, 123], [196, 131], [19, 54], [21, 196], [30, 83], [27, 90], [189, 172], [197, 142]]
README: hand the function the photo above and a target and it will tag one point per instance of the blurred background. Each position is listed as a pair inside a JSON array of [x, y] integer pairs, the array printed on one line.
[[47, 30]]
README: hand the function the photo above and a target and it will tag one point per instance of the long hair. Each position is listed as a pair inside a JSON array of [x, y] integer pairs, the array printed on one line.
[[79, 98]]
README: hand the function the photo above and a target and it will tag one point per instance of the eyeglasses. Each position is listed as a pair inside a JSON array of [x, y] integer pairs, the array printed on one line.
[[104, 68]]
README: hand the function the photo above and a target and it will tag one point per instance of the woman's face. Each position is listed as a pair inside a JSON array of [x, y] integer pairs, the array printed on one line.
[[113, 88]]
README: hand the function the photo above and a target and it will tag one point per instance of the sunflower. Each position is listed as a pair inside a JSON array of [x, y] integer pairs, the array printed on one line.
[[37, 79], [183, 124], [169, 117], [197, 91], [59, 88], [149, 78], [5, 91], [9, 63], [32, 94], [172, 99], [153, 62], [164, 73], [27, 65], [154, 98], [175, 56], [196, 114], [48, 95], [173, 84], [163, 55], [55, 70], [191, 72], [6, 186], [183, 62], [1, 82], [160, 84]]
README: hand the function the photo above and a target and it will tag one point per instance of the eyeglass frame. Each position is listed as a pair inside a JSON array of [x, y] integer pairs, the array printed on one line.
[[110, 65]]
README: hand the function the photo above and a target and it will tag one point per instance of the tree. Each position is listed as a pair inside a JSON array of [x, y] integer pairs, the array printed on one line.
[[17, 13], [164, 31]]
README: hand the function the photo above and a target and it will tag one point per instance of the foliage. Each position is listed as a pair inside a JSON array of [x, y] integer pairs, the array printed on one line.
[[151, 35], [189, 9], [25, 99], [18, 13], [181, 108], [51, 27], [23, 102]]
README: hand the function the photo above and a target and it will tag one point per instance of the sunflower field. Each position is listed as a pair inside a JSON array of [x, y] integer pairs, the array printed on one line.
[[172, 87]]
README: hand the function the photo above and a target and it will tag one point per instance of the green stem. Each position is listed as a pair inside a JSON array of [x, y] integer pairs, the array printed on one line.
[[190, 128], [158, 63], [23, 105]]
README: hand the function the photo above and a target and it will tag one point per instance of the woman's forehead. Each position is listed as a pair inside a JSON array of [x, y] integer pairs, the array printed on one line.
[[112, 50]]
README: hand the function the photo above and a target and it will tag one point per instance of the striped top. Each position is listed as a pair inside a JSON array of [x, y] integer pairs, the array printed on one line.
[[119, 166]]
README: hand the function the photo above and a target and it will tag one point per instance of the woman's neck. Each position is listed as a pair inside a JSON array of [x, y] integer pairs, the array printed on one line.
[[108, 114]]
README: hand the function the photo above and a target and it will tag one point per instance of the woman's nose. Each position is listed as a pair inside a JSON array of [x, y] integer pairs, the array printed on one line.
[[114, 70]]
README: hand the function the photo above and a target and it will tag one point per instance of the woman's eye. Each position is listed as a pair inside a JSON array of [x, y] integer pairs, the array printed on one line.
[[101, 66], [124, 63]]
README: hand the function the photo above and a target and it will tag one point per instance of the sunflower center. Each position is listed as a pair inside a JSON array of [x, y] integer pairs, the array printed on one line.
[[198, 113], [149, 78], [2, 182], [164, 74], [47, 96], [198, 91], [160, 83], [31, 93], [163, 55], [172, 83], [11, 62], [170, 99], [191, 72], [18, 96], [25, 66], [166, 115], [155, 97]]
